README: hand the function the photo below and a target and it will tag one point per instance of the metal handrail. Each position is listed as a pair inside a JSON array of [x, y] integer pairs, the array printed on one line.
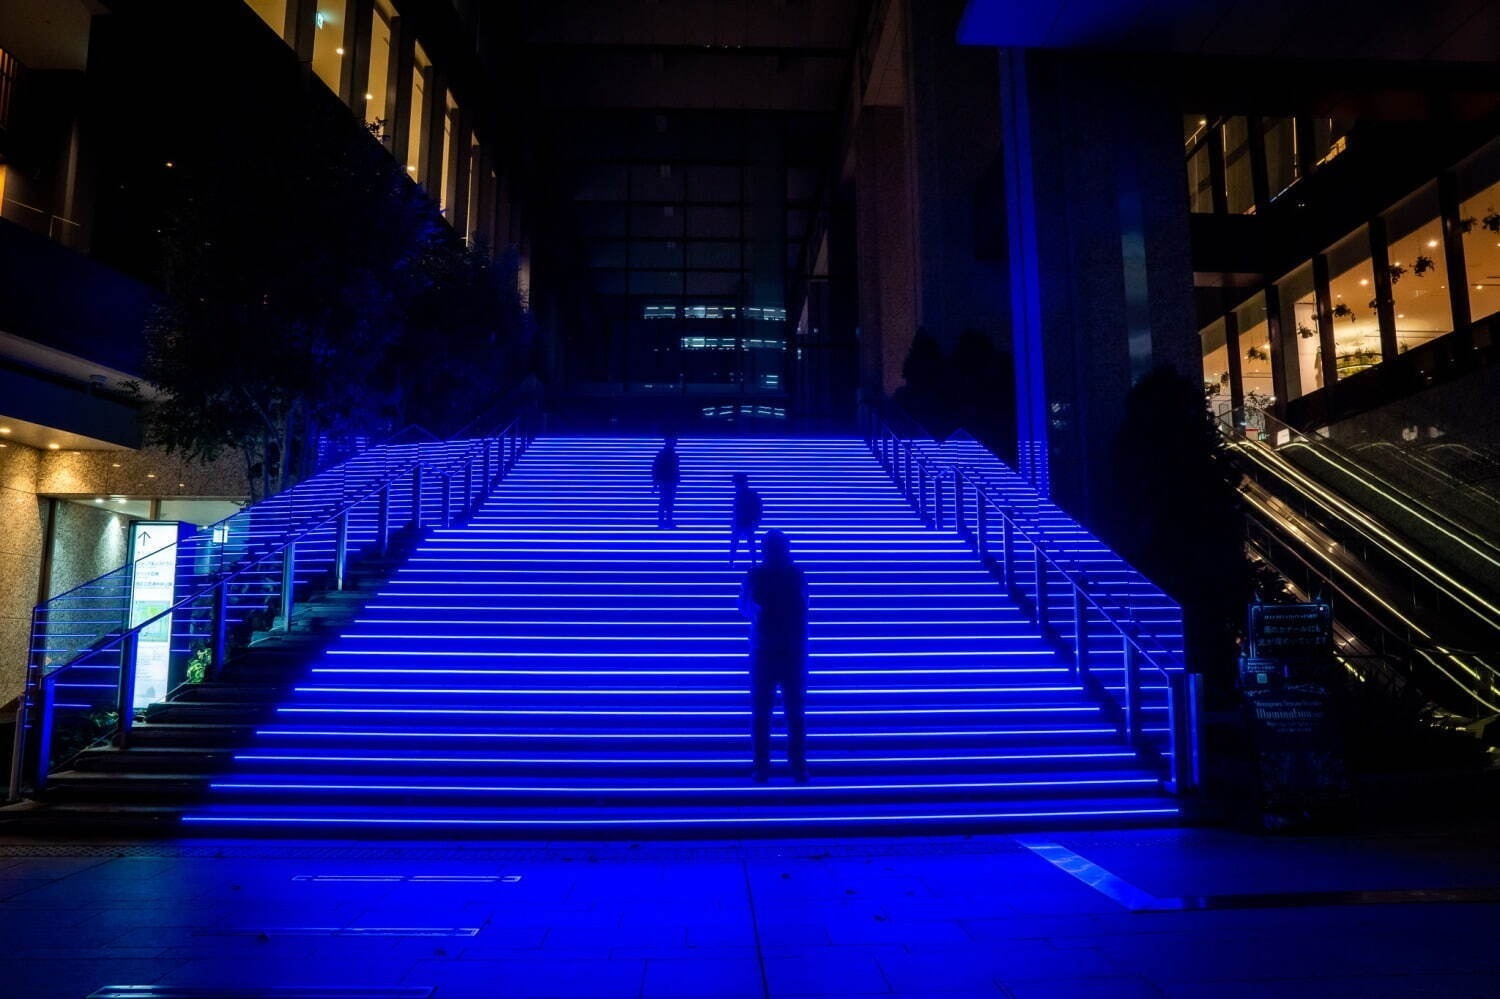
[[38, 690], [910, 469]]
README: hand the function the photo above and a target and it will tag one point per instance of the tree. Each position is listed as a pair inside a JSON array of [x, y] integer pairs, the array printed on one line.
[[315, 290], [1175, 511]]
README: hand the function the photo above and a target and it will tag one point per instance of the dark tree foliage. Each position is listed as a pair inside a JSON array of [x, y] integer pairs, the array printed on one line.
[[1174, 512], [972, 389], [315, 290]]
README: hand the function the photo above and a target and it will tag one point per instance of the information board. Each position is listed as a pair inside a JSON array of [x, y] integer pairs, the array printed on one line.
[[1290, 631], [153, 589]]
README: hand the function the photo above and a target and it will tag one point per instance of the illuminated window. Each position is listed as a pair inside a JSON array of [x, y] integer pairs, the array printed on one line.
[[1419, 282], [1239, 188], [1280, 136], [1330, 139], [1255, 353], [1479, 214], [1301, 356], [1200, 182], [1215, 368], [450, 153], [416, 143], [380, 63], [328, 41], [1351, 287], [273, 12]]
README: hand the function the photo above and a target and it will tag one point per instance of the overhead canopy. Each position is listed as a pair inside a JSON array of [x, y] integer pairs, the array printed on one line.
[[1386, 30]]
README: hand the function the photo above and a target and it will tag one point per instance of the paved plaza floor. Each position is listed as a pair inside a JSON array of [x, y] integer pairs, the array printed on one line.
[[1179, 913]]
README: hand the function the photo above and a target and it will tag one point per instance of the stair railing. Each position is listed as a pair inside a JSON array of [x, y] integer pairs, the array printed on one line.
[[924, 480], [80, 688]]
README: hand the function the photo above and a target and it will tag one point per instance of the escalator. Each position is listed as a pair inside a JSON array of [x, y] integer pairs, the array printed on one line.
[[1413, 573]]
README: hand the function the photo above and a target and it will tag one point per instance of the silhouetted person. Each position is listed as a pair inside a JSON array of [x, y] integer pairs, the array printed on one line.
[[666, 473], [745, 517], [774, 597]]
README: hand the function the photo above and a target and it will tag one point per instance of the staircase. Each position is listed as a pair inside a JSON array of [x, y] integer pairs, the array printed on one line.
[[558, 664]]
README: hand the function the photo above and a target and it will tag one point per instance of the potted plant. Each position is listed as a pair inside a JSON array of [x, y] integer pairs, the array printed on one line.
[[1257, 354]]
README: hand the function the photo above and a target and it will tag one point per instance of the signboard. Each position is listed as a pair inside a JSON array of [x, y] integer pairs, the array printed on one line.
[[153, 588], [1290, 631], [1299, 756]]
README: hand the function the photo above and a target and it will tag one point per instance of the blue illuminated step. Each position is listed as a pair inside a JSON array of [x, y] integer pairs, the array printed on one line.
[[559, 663], [892, 815]]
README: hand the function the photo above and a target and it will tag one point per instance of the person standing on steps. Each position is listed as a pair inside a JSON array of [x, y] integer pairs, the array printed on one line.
[[774, 598], [666, 473], [745, 517]]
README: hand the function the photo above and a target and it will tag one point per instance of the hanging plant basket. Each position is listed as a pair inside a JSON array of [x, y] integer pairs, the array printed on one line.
[[1341, 310], [1422, 265]]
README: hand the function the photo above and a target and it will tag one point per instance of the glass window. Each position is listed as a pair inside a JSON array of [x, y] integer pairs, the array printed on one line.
[[1330, 137], [1216, 368], [273, 12], [450, 152], [1200, 182], [1200, 176], [416, 142], [328, 41], [380, 64], [1479, 220], [1301, 353], [1239, 188], [1255, 353], [1419, 286], [1351, 289], [1281, 154]]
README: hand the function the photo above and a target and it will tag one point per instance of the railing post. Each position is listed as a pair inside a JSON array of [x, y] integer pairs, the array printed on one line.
[[960, 513], [982, 526], [486, 476], [125, 707], [340, 550], [446, 518], [288, 585], [44, 726], [1043, 612], [937, 501], [18, 742], [1080, 633], [219, 636], [416, 497], [383, 521], [907, 448], [1132, 692], [922, 491], [470, 500], [1008, 554]]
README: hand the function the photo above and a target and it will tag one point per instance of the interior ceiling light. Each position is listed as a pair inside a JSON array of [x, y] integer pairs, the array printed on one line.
[[53, 447], [4, 430], [1432, 242], [338, 51], [369, 97]]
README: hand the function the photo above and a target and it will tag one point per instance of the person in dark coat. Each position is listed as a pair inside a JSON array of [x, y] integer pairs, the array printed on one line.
[[745, 517], [666, 473], [774, 597]]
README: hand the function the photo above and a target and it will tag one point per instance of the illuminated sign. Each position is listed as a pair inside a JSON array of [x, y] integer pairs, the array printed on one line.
[[153, 589]]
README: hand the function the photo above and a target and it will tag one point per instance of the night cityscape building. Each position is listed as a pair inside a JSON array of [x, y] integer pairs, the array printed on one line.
[[1122, 375]]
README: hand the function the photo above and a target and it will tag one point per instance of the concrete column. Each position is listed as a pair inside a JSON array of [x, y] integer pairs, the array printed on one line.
[[1100, 266], [953, 137], [886, 255], [398, 92]]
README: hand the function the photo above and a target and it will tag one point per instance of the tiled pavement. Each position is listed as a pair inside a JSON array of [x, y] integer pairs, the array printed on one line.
[[951, 917]]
